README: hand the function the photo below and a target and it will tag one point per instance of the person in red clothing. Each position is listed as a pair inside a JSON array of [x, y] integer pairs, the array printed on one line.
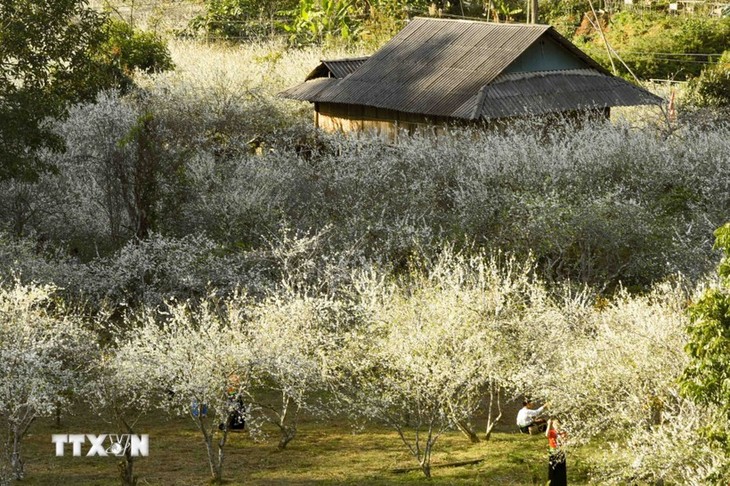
[[557, 472]]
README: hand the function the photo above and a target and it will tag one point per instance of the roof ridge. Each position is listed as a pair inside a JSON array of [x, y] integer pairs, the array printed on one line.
[[343, 59], [470, 21]]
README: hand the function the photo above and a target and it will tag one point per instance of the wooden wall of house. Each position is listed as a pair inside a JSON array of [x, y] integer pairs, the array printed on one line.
[[332, 117], [390, 124]]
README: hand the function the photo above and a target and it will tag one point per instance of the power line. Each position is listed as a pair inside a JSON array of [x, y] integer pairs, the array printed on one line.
[[671, 59], [695, 54]]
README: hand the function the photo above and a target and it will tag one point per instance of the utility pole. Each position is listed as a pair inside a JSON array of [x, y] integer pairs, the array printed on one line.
[[532, 11], [598, 27]]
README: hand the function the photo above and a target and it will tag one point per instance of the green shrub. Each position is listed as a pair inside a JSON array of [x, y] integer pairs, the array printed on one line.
[[121, 51], [131, 49], [47, 56], [705, 379], [323, 21], [712, 87]]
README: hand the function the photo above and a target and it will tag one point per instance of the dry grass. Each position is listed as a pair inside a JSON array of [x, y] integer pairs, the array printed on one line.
[[270, 65], [162, 16], [323, 453]]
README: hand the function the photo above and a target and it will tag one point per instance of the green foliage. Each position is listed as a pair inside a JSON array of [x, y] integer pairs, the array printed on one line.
[[656, 45], [242, 19], [321, 21], [349, 21], [565, 13], [712, 87], [505, 10], [45, 60], [54, 53], [723, 242], [130, 49], [707, 378], [385, 18]]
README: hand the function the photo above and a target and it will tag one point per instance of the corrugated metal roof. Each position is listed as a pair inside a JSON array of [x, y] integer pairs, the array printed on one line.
[[432, 66], [446, 68], [308, 91], [544, 92], [336, 68], [342, 67]]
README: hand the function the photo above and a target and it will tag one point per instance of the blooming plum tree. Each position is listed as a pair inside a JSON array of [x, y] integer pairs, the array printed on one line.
[[121, 395], [43, 356], [290, 342], [620, 366], [610, 370], [430, 349], [196, 359]]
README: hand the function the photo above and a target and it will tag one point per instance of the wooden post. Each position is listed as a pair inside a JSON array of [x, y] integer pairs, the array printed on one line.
[[532, 7], [598, 27]]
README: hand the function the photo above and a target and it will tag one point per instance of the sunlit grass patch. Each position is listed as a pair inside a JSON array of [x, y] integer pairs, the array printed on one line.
[[323, 453], [269, 66]]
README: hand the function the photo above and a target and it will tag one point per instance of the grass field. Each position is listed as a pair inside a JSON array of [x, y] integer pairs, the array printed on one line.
[[322, 453]]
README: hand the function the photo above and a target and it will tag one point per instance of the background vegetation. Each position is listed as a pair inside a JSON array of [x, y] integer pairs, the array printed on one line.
[[167, 223]]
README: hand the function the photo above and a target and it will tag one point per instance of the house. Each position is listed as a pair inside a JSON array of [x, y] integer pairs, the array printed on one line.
[[437, 72]]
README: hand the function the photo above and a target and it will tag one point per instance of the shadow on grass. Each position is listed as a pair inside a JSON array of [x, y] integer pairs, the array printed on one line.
[[323, 453]]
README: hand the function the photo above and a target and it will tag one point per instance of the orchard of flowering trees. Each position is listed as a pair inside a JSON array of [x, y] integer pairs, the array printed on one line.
[[418, 351], [198, 250]]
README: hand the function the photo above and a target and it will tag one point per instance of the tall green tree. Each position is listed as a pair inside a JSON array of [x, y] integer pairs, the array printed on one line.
[[54, 53], [46, 60]]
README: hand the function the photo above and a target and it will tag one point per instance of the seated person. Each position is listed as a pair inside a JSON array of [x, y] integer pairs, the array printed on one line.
[[236, 419], [528, 418]]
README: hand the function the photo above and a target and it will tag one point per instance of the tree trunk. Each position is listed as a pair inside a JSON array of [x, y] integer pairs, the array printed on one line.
[[464, 426], [467, 429], [287, 435], [215, 470], [16, 462], [126, 467], [491, 423], [19, 429], [146, 186], [215, 460], [218, 479], [532, 7], [421, 454], [426, 461], [287, 431], [126, 470]]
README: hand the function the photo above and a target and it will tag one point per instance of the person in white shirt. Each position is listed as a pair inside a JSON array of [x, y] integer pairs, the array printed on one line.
[[529, 419]]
